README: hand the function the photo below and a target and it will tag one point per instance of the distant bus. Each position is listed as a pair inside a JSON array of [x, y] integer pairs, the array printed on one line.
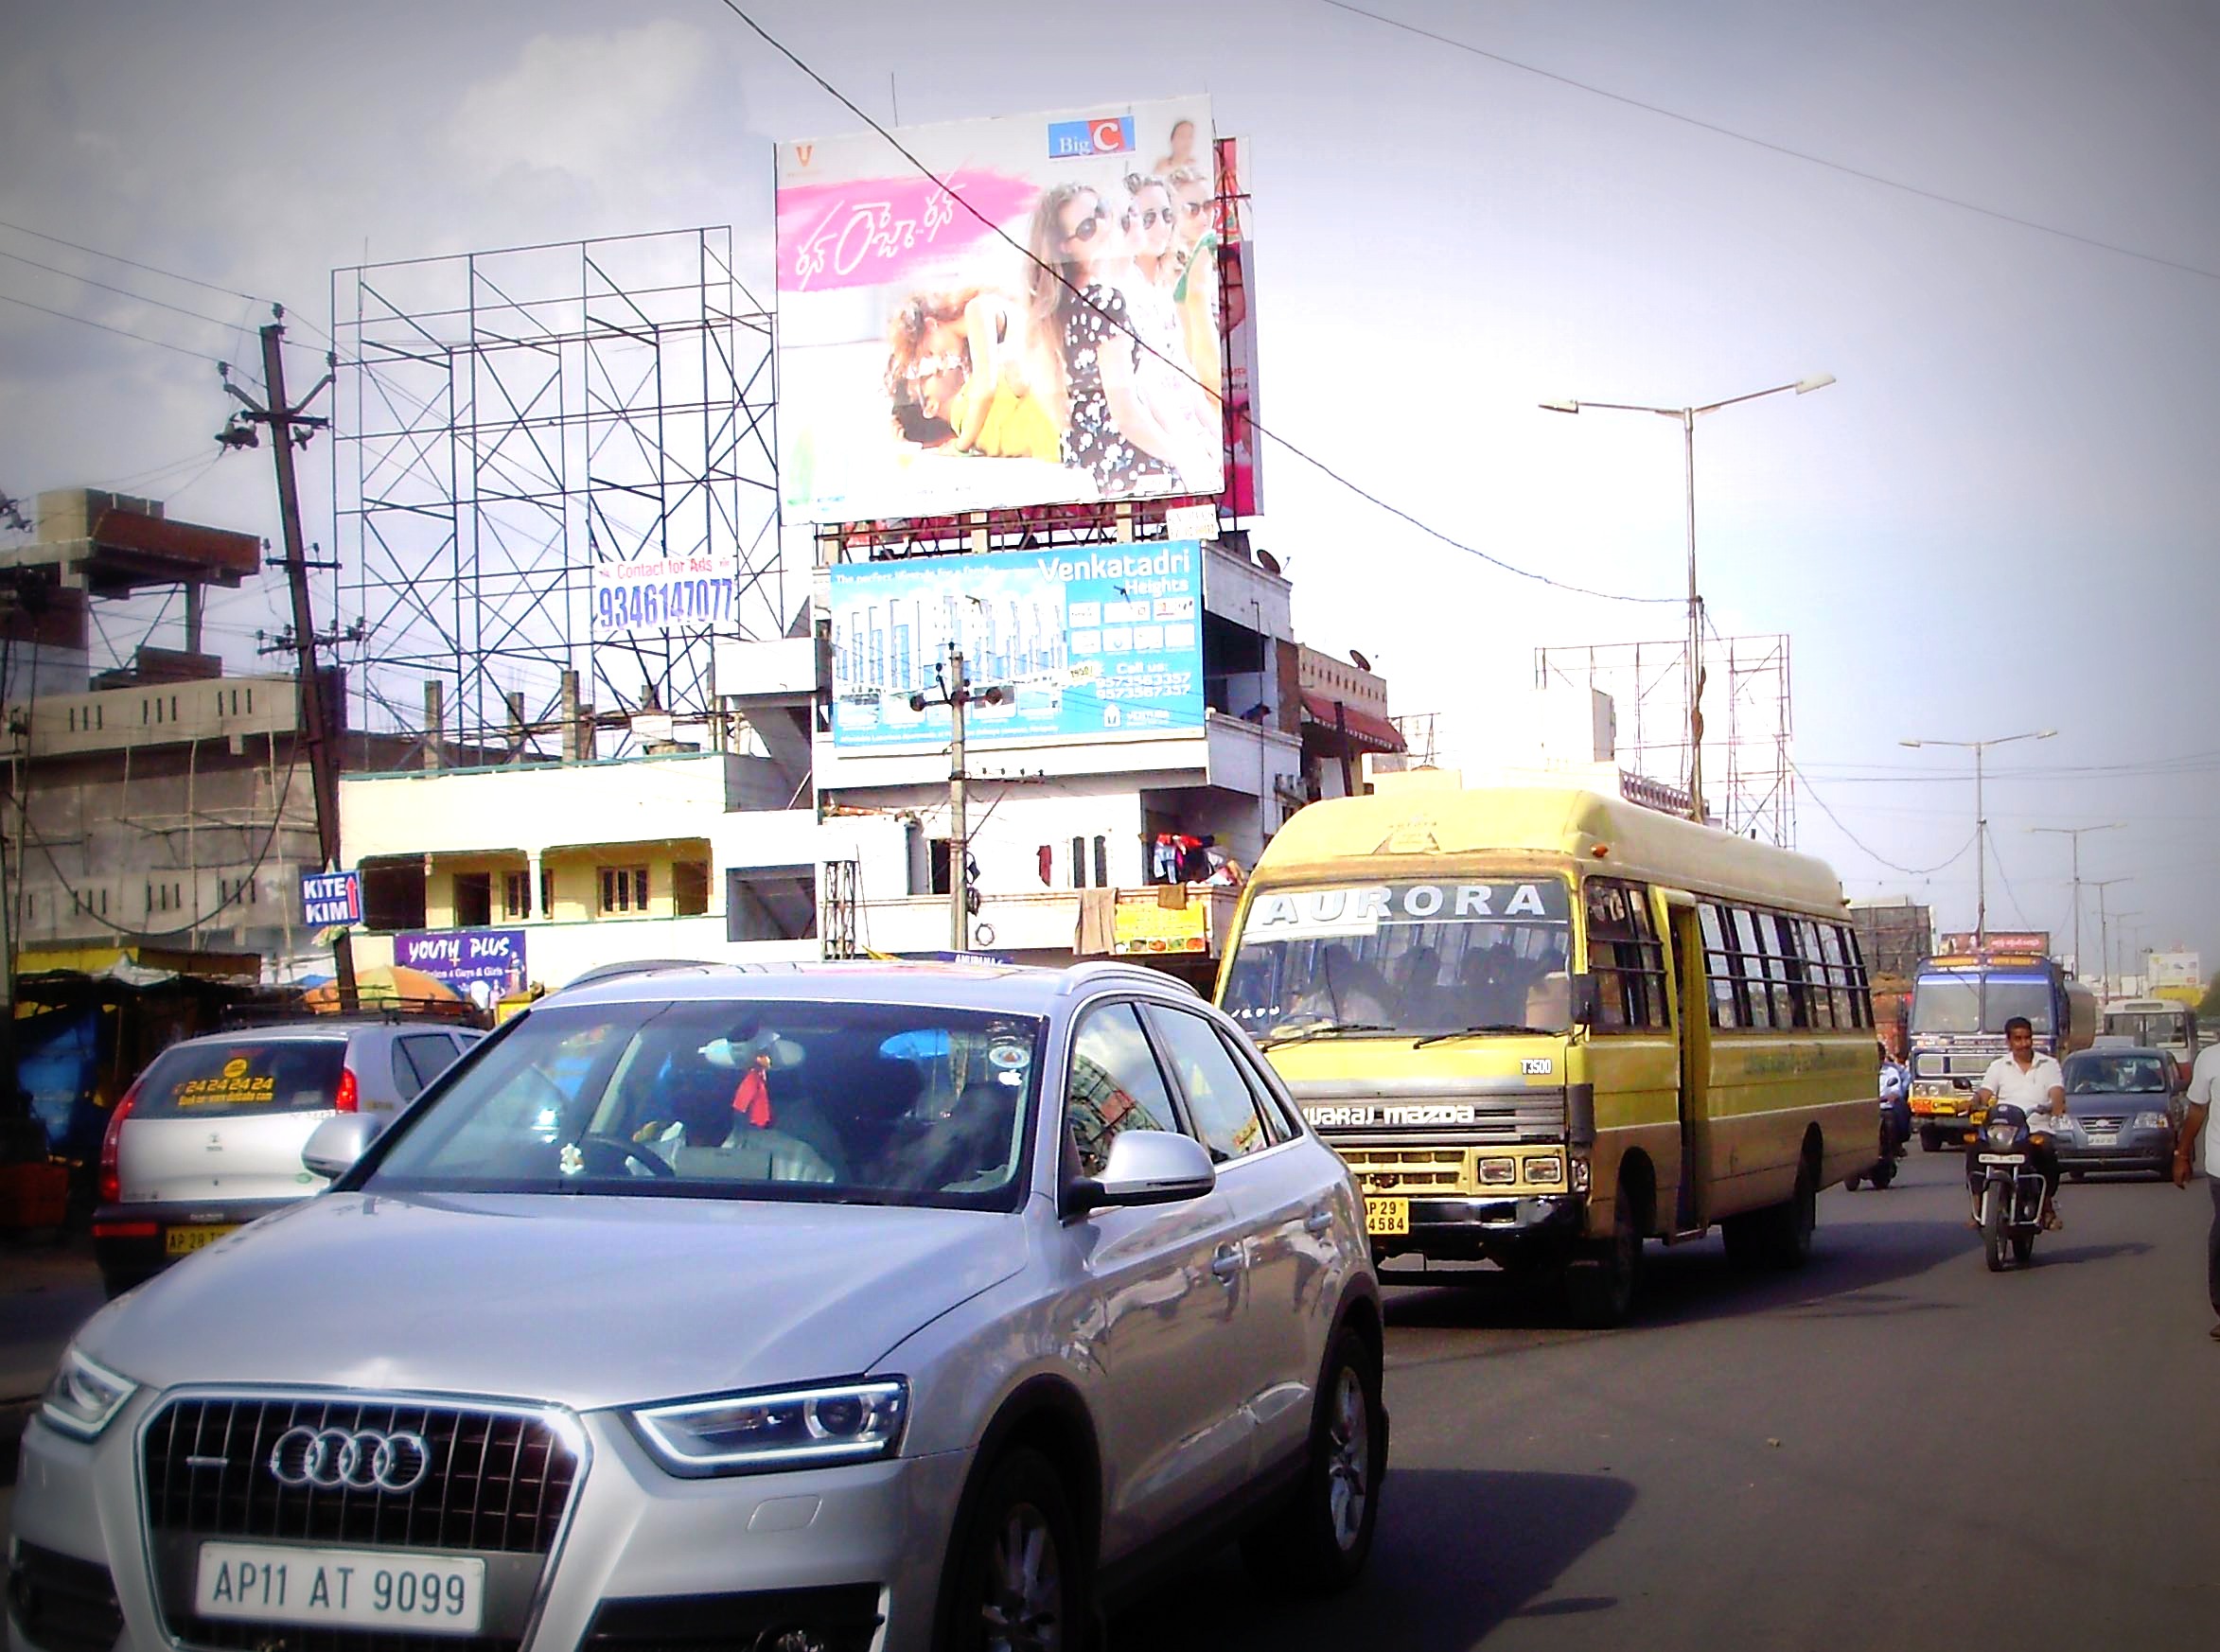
[[2156, 1023], [1960, 1005]]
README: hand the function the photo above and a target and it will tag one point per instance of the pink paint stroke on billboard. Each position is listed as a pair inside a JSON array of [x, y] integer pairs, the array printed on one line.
[[1066, 349], [884, 229]]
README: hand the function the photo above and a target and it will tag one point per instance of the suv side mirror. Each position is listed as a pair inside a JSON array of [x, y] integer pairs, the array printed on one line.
[[1146, 1167], [337, 1143], [1587, 1000]]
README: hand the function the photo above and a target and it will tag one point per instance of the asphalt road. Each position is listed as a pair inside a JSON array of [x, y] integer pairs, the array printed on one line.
[[1890, 1449]]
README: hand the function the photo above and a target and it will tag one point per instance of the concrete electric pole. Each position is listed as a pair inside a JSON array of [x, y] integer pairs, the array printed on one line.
[[290, 427], [2076, 834]]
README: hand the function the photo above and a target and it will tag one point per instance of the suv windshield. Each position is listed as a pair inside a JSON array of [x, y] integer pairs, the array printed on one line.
[[1411, 959], [790, 1100], [2103, 1073], [242, 1078], [1964, 1003]]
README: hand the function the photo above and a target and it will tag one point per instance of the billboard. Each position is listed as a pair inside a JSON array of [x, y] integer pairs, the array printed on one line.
[[661, 593], [1089, 643], [2175, 969], [479, 964], [1039, 322]]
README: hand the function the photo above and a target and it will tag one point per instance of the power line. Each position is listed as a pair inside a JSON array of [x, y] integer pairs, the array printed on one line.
[[120, 258], [120, 332], [1778, 148], [1184, 369], [122, 292], [1910, 872]]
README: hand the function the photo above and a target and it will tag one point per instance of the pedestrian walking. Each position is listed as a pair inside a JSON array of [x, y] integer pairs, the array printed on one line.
[[2203, 1081]]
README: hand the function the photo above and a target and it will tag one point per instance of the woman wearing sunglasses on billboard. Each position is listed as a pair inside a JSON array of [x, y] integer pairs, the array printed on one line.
[[1080, 244], [1171, 383]]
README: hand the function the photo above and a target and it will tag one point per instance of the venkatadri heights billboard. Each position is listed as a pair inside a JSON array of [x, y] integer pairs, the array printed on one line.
[[1036, 323], [1097, 642]]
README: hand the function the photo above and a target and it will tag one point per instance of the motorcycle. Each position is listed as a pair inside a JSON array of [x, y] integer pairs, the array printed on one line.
[[1895, 1131], [2009, 1197]]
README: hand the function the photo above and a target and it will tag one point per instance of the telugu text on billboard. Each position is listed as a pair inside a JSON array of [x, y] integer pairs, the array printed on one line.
[[1039, 322], [1086, 643]]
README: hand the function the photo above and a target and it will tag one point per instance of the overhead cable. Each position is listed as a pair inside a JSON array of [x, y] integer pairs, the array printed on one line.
[[1778, 148]]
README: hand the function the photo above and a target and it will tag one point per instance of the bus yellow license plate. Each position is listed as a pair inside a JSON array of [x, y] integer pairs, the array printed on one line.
[[179, 1241], [1391, 1216]]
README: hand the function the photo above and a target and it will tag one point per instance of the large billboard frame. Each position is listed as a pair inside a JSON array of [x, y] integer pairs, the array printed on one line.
[[850, 351]]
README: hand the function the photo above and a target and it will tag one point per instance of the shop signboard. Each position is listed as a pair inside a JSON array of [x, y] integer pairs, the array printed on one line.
[[1085, 643], [943, 333], [481, 965], [330, 898], [1145, 928], [663, 594]]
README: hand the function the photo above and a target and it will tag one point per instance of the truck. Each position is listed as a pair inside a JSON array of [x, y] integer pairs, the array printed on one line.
[[1960, 1002]]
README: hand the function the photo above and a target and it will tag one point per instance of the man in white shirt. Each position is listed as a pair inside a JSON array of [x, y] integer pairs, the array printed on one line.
[[2036, 1085], [2203, 1084]]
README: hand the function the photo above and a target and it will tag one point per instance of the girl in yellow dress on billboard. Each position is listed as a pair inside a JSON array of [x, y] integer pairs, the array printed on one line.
[[956, 378]]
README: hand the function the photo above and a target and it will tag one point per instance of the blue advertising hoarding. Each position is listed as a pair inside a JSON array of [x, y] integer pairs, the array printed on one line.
[[328, 898], [1091, 642], [481, 965]]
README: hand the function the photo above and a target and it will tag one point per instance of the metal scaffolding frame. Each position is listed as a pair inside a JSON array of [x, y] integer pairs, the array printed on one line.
[[1749, 720], [506, 419]]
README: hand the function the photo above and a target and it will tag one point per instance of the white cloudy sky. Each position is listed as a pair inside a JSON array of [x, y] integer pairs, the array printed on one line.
[[2002, 517]]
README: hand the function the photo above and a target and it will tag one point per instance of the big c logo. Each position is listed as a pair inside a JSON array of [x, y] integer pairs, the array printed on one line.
[[1109, 134]]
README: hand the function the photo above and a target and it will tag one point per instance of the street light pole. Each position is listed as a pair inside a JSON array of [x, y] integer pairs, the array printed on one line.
[[2076, 834], [2105, 931], [1687, 417], [1981, 820]]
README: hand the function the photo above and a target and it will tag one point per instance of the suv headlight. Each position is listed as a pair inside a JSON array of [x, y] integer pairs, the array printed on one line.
[[790, 1428], [84, 1395], [2152, 1121]]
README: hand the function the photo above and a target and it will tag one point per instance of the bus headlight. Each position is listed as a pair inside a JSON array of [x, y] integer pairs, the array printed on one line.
[[1550, 1169]]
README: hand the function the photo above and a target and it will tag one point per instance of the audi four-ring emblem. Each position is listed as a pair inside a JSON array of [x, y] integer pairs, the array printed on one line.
[[357, 1459]]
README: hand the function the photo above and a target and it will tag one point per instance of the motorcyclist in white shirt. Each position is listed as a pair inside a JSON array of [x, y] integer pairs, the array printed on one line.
[[2035, 1084]]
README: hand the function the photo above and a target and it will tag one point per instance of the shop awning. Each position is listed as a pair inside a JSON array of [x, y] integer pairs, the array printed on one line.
[[1367, 731]]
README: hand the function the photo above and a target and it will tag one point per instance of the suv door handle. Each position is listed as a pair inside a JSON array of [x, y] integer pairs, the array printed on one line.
[[1318, 1221], [1227, 1264]]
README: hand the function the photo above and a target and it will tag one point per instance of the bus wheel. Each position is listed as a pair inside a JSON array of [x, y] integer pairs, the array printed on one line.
[[1601, 1283]]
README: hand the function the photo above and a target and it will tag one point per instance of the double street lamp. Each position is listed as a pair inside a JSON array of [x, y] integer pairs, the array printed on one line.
[[2078, 833], [1981, 820], [1687, 417]]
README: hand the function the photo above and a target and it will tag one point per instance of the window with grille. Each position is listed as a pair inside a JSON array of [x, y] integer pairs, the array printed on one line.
[[624, 889]]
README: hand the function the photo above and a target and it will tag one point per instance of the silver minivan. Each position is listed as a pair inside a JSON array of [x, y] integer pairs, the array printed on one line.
[[210, 1135]]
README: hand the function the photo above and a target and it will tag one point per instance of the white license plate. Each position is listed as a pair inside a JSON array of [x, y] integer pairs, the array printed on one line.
[[2103, 1138], [2003, 1158], [431, 1595]]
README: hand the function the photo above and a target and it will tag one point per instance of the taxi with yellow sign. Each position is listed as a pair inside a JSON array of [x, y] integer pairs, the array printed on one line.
[[210, 1135]]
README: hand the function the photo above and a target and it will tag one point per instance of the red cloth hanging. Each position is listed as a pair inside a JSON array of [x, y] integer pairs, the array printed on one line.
[[752, 1100]]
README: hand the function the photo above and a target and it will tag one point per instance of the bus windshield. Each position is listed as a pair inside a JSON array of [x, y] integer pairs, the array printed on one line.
[[1967, 1002], [1408, 958]]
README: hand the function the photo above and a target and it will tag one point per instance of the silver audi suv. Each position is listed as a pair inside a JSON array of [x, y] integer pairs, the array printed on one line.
[[845, 1307]]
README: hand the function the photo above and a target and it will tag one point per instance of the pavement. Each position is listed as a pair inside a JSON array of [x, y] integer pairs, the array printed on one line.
[[46, 1292]]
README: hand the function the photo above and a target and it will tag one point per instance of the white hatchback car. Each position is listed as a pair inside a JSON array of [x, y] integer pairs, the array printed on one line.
[[847, 1306]]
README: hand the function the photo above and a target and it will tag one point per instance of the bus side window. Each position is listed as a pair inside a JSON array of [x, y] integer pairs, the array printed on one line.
[[1837, 976], [1861, 989], [1819, 1003], [1625, 956], [1720, 971], [1778, 950], [1758, 996]]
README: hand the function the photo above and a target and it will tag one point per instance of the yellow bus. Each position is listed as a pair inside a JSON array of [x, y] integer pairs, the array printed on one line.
[[1546, 1025]]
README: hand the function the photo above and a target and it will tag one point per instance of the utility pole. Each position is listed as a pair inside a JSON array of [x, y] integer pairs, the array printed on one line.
[[2076, 833], [289, 426], [957, 690], [958, 831], [2105, 932]]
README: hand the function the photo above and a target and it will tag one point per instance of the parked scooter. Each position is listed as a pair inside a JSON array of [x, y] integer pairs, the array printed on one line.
[[2009, 1197]]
